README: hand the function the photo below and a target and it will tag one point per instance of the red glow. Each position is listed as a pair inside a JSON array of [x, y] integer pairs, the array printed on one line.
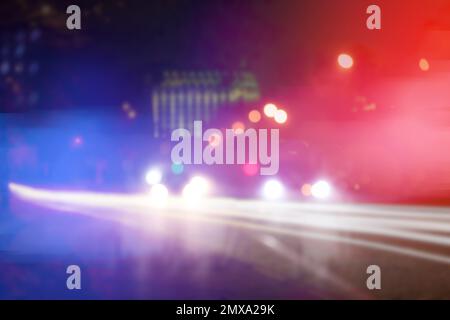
[[250, 169]]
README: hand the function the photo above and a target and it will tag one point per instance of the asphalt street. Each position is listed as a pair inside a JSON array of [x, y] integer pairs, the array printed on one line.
[[131, 246]]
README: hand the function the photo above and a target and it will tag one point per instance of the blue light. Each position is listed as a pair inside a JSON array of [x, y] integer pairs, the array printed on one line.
[[177, 168]]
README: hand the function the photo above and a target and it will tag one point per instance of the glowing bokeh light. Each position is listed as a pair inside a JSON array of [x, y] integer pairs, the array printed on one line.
[[177, 168], [201, 183], [126, 106], [153, 176], [159, 194], [306, 190], [281, 116], [270, 109], [78, 141], [273, 190], [345, 61], [321, 190], [254, 116], [238, 127], [424, 65], [132, 114], [196, 189]]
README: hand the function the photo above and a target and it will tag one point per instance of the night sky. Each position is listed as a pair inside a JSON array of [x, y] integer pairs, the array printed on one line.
[[285, 43], [291, 47]]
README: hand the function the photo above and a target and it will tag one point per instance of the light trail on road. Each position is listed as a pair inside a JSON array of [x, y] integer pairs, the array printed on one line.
[[419, 226]]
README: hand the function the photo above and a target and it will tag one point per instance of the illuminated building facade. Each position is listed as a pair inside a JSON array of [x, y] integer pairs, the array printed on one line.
[[182, 97]]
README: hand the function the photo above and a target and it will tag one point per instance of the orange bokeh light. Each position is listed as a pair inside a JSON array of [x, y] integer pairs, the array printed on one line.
[[254, 116], [306, 190], [424, 65], [238, 127]]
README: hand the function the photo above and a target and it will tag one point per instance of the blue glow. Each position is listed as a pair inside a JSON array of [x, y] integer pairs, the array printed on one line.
[[177, 168]]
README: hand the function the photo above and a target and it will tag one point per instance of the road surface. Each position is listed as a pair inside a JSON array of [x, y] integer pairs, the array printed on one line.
[[132, 247]]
